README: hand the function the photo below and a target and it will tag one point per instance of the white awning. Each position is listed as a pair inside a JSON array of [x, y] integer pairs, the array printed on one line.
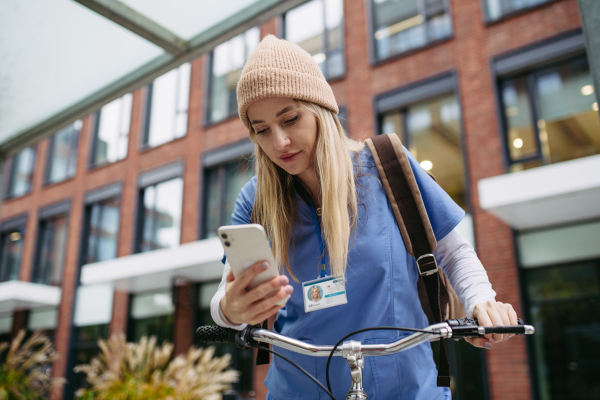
[[19, 295], [550, 195], [197, 261], [62, 59]]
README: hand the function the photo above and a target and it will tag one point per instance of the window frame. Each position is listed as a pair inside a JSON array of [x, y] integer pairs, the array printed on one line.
[[370, 14], [342, 41], [74, 151], [95, 131], [149, 178], [46, 214], [148, 92], [488, 22], [218, 158], [130, 320], [526, 62], [14, 224], [11, 170]]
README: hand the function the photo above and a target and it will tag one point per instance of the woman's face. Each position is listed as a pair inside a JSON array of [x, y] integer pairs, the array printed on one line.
[[314, 293], [286, 132]]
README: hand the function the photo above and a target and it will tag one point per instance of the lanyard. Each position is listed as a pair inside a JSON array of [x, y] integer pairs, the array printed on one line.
[[322, 273]]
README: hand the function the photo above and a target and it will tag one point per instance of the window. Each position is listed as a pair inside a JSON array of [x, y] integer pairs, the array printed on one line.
[[62, 153], [241, 360], [550, 115], [496, 9], [44, 319], [227, 61], [403, 25], [111, 133], [317, 27], [167, 102], [152, 315], [51, 253], [5, 329], [222, 185], [431, 132], [11, 251], [21, 172], [160, 215], [84, 346], [102, 230]]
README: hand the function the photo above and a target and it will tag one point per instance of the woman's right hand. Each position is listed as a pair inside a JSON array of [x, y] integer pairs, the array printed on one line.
[[241, 305]]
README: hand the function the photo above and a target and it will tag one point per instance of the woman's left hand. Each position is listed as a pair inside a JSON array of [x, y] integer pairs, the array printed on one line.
[[493, 313]]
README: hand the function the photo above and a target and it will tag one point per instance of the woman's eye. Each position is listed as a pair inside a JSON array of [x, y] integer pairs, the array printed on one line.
[[259, 132], [291, 121]]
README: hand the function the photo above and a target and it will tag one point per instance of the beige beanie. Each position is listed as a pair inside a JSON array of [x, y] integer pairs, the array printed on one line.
[[278, 68]]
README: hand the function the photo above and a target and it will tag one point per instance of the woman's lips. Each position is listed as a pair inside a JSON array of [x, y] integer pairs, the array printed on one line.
[[289, 157]]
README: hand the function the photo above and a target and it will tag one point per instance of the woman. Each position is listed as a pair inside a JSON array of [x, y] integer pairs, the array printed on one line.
[[305, 164], [315, 294]]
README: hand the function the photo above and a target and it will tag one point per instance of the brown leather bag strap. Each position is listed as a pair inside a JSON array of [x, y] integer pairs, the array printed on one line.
[[405, 197]]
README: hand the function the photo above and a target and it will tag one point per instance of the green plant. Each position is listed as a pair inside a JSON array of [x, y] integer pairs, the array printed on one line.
[[22, 375], [145, 371]]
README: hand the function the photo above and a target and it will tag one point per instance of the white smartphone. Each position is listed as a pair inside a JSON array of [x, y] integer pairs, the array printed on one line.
[[244, 246]]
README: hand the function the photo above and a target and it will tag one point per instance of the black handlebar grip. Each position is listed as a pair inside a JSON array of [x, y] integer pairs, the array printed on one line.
[[517, 330], [471, 322], [215, 334]]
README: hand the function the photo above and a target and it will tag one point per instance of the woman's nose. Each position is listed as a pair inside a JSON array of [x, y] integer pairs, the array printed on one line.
[[281, 139]]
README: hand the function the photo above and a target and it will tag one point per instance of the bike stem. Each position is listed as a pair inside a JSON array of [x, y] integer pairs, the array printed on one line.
[[352, 353]]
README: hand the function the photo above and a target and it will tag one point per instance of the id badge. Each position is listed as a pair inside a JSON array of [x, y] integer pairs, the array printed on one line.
[[329, 291]]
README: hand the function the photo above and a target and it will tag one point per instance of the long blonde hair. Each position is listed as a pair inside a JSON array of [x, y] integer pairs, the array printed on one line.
[[275, 206]]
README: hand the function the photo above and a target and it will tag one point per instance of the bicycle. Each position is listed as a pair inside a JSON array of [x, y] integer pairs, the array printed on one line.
[[353, 351]]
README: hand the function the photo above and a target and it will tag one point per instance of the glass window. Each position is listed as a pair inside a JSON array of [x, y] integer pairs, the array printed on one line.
[[152, 315], [160, 213], [431, 131], [5, 329], [62, 153], [222, 187], [168, 98], [317, 27], [102, 233], [564, 307], [403, 25], [551, 115], [111, 135], [227, 62], [496, 9], [241, 360], [21, 172], [11, 251], [51, 254]]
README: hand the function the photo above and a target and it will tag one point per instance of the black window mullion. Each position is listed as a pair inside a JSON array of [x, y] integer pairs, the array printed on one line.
[[406, 138], [221, 191], [147, 117], [534, 105]]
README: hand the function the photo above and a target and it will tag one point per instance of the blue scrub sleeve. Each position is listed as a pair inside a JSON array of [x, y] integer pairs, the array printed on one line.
[[242, 210], [444, 214]]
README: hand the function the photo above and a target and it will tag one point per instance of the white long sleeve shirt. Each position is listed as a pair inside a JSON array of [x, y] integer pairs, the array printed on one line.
[[454, 255]]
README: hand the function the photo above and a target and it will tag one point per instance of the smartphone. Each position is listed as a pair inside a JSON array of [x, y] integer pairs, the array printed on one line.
[[244, 246]]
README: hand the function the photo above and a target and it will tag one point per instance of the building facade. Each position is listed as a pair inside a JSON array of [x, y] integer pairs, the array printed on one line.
[[109, 225]]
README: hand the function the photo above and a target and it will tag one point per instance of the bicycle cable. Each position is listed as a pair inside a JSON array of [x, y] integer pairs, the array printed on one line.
[[297, 366], [375, 328]]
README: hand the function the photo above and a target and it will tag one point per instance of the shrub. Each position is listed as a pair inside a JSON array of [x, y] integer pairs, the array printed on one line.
[[22, 374], [145, 371]]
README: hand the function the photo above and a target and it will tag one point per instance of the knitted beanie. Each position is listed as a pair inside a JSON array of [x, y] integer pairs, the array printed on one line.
[[278, 68]]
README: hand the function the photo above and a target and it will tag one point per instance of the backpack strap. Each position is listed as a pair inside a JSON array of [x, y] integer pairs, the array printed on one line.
[[405, 198]]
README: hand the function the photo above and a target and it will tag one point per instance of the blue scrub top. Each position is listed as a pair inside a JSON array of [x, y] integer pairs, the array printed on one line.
[[381, 284]]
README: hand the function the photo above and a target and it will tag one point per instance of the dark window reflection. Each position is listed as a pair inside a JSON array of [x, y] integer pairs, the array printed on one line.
[[564, 307], [241, 359], [11, 249], [21, 172], [103, 231], [152, 315], [161, 215], [50, 259], [403, 25], [498, 8], [62, 154], [317, 27], [222, 187]]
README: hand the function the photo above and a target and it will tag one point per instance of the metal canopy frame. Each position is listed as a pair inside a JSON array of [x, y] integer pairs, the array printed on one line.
[[178, 51]]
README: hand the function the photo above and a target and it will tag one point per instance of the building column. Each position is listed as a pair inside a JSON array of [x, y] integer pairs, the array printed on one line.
[[183, 320]]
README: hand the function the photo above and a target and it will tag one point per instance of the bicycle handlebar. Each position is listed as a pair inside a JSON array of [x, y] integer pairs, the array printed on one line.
[[458, 328]]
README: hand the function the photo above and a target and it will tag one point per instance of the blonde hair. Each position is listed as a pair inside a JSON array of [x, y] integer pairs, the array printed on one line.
[[275, 206]]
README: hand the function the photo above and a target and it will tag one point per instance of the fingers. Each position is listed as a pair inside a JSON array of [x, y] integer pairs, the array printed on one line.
[[241, 282], [480, 342], [492, 313], [266, 288]]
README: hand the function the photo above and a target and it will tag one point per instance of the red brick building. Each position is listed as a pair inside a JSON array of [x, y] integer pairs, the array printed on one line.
[[94, 216]]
